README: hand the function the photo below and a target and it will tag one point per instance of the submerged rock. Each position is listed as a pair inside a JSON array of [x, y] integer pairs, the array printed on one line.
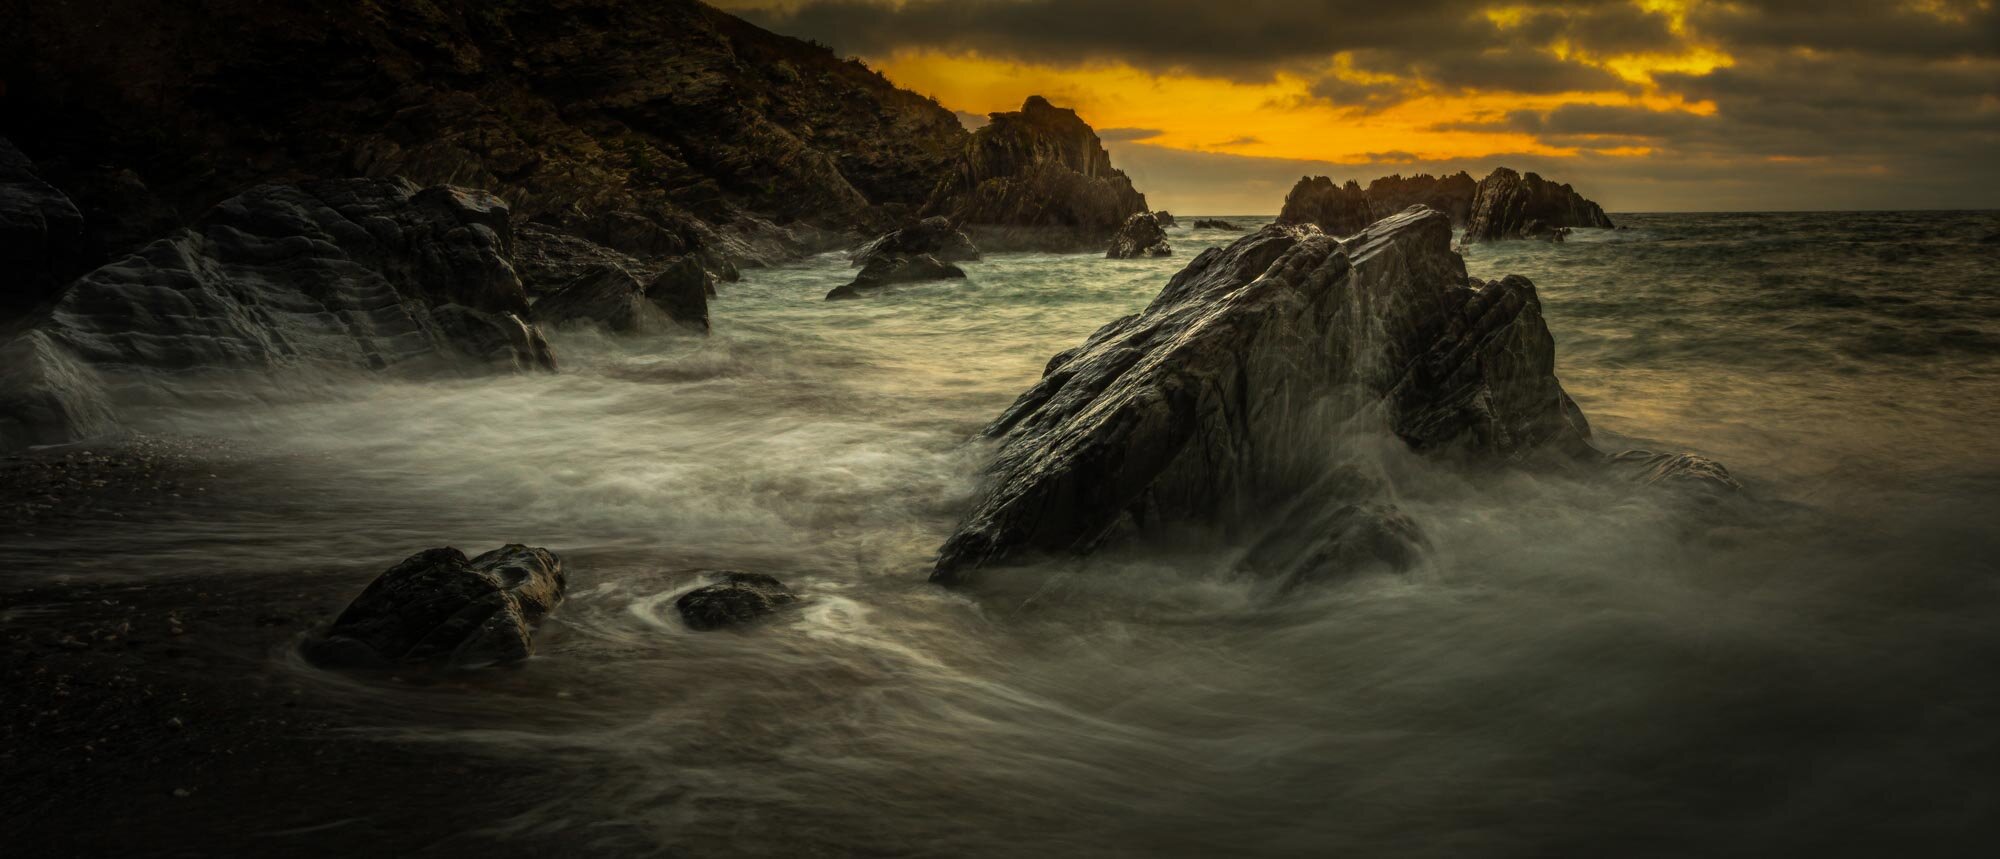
[[1141, 237], [1036, 179], [1316, 544], [608, 296], [1337, 210], [1509, 205], [889, 271], [1676, 470], [1216, 224], [934, 237], [439, 608], [41, 234], [1224, 392], [738, 598]]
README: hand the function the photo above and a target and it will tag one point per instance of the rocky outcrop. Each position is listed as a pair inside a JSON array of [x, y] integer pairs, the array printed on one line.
[[439, 608], [1222, 394], [1036, 179], [607, 296], [1216, 224], [350, 275], [1140, 237], [1509, 205], [645, 126], [738, 598], [935, 237], [1451, 195], [41, 234], [1337, 210], [888, 271], [1166, 219]]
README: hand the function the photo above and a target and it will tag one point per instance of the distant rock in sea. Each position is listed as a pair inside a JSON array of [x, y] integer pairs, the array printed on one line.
[[1036, 179], [931, 236], [1216, 224], [1166, 219], [1217, 404], [1504, 205], [1510, 205], [1140, 237]]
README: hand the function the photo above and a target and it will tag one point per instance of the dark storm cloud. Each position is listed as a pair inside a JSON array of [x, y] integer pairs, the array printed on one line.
[[1864, 26]]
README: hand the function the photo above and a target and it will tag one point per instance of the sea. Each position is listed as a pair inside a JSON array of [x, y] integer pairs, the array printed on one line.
[[1575, 669]]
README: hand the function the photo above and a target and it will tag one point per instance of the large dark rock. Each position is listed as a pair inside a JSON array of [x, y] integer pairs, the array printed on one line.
[[1141, 237], [1166, 219], [1226, 391], [1337, 210], [41, 234], [1036, 179], [934, 237], [608, 296], [439, 608], [889, 271], [657, 112], [1509, 205], [327, 276], [549, 258], [47, 396], [737, 598], [1216, 224]]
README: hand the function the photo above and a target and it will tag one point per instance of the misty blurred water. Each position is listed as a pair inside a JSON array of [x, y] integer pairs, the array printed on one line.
[[1577, 670]]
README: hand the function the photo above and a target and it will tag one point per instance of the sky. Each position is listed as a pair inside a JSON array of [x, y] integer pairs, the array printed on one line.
[[1218, 106]]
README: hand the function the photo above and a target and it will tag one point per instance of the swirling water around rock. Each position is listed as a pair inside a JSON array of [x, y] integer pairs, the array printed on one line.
[[1573, 667]]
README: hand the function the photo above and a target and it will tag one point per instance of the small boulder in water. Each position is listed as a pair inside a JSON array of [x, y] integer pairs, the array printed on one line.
[[439, 608], [1216, 224], [1140, 237], [606, 295], [888, 271], [681, 290], [738, 598], [935, 237]]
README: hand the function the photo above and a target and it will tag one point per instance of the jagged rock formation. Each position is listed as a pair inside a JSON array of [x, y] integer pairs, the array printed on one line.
[[934, 237], [440, 608], [1509, 205], [608, 296], [41, 234], [1036, 179], [337, 275], [1219, 397], [651, 127], [1337, 210], [886, 271], [1140, 237], [1513, 206], [1216, 224], [738, 598], [1451, 195], [1166, 219]]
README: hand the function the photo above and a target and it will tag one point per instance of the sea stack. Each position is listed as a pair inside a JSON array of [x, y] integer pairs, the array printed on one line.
[[1036, 179], [1509, 205]]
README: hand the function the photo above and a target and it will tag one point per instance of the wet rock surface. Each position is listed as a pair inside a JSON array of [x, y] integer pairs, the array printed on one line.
[[681, 291], [607, 296], [1140, 237], [885, 272], [1216, 224], [1510, 205], [1210, 403], [935, 237], [1036, 179], [1675, 471], [440, 608], [736, 599]]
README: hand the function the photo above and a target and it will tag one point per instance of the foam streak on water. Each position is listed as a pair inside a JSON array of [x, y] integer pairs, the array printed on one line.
[[1577, 669]]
